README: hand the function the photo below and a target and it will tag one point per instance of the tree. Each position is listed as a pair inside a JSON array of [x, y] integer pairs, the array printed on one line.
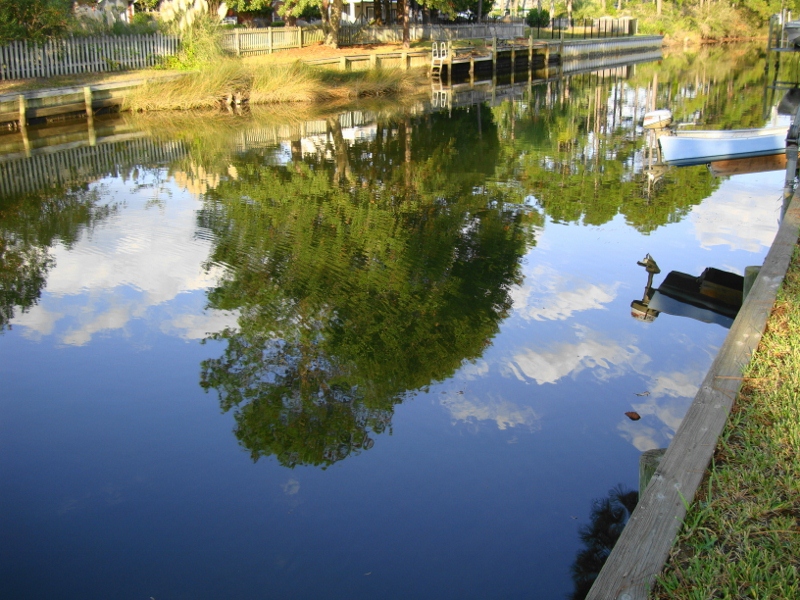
[[250, 9], [34, 20]]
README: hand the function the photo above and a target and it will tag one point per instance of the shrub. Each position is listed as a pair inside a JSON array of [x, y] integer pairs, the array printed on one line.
[[538, 18], [34, 20]]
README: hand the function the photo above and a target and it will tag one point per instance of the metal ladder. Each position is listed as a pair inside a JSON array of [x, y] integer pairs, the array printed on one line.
[[441, 52]]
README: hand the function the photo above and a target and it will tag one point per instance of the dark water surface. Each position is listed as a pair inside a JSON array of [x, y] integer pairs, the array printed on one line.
[[386, 353]]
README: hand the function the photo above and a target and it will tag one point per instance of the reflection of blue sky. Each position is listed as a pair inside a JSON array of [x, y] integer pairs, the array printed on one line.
[[736, 216], [570, 325], [145, 257]]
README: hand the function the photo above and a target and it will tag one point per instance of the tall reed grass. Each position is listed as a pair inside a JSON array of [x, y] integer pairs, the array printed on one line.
[[230, 80]]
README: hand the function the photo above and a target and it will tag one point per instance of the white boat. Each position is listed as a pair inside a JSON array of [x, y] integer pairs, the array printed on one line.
[[686, 147], [657, 119]]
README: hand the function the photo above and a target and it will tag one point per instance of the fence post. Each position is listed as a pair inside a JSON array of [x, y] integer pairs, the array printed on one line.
[[238, 43], [269, 39], [404, 58], [343, 63], [299, 37]]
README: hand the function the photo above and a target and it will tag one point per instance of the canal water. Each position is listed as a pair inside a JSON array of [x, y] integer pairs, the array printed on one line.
[[381, 353]]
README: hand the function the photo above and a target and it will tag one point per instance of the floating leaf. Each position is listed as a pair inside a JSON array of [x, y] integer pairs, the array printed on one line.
[[633, 416]]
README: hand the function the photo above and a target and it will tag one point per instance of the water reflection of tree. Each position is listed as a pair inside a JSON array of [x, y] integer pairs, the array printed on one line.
[[608, 519], [571, 145], [358, 280], [29, 226]]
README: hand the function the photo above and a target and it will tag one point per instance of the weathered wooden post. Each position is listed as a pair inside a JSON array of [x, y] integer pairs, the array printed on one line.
[[299, 37], [648, 463], [404, 60], [343, 63], [238, 43], [750, 274], [494, 56], [87, 100], [449, 63], [23, 123], [269, 39]]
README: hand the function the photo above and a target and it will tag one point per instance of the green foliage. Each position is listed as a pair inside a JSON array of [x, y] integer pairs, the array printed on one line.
[[358, 280], [538, 18], [34, 20]]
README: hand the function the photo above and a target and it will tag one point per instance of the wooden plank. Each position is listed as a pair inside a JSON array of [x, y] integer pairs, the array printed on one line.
[[644, 545]]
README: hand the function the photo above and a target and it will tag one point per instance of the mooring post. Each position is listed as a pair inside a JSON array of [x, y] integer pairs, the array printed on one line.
[[494, 56], [530, 51], [23, 111], [23, 124], [471, 70], [449, 63], [750, 274], [87, 100]]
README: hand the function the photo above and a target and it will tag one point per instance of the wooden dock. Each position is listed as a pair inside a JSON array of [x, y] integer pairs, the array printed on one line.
[[500, 57]]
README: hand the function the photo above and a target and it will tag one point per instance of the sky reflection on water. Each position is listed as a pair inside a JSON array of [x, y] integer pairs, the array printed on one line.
[[451, 455]]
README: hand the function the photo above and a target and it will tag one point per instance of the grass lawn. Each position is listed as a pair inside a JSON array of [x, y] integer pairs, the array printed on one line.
[[741, 536]]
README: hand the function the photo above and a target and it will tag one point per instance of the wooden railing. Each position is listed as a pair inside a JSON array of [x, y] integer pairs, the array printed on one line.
[[70, 56]]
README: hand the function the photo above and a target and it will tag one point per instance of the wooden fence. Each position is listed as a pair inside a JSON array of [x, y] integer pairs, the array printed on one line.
[[265, 40], [69, 56]]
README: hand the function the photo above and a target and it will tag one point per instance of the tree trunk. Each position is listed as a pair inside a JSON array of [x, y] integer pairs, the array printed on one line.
[[326, 22], [387, 12], [332, 38], [406, 20], [377, 8]]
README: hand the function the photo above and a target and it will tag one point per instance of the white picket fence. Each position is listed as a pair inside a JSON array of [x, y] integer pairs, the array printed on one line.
[[69, 56], [265, 40]]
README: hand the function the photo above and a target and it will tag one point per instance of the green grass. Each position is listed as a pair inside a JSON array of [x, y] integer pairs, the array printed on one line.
[[741, 536]]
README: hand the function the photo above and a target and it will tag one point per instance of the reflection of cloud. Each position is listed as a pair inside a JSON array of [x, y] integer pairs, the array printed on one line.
[[605, 357], [734, 216], [148, 255], [114, 318], [662, 412], [474, 370], [550, 296], [504, 413], [641, 436], [291, 487], [37, 322], [198, 327]]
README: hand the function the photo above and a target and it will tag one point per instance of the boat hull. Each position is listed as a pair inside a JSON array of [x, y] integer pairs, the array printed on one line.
[[701, 147]]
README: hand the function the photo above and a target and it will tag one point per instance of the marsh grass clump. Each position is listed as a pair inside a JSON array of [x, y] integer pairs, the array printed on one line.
[[230, 81], [196, 90]]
